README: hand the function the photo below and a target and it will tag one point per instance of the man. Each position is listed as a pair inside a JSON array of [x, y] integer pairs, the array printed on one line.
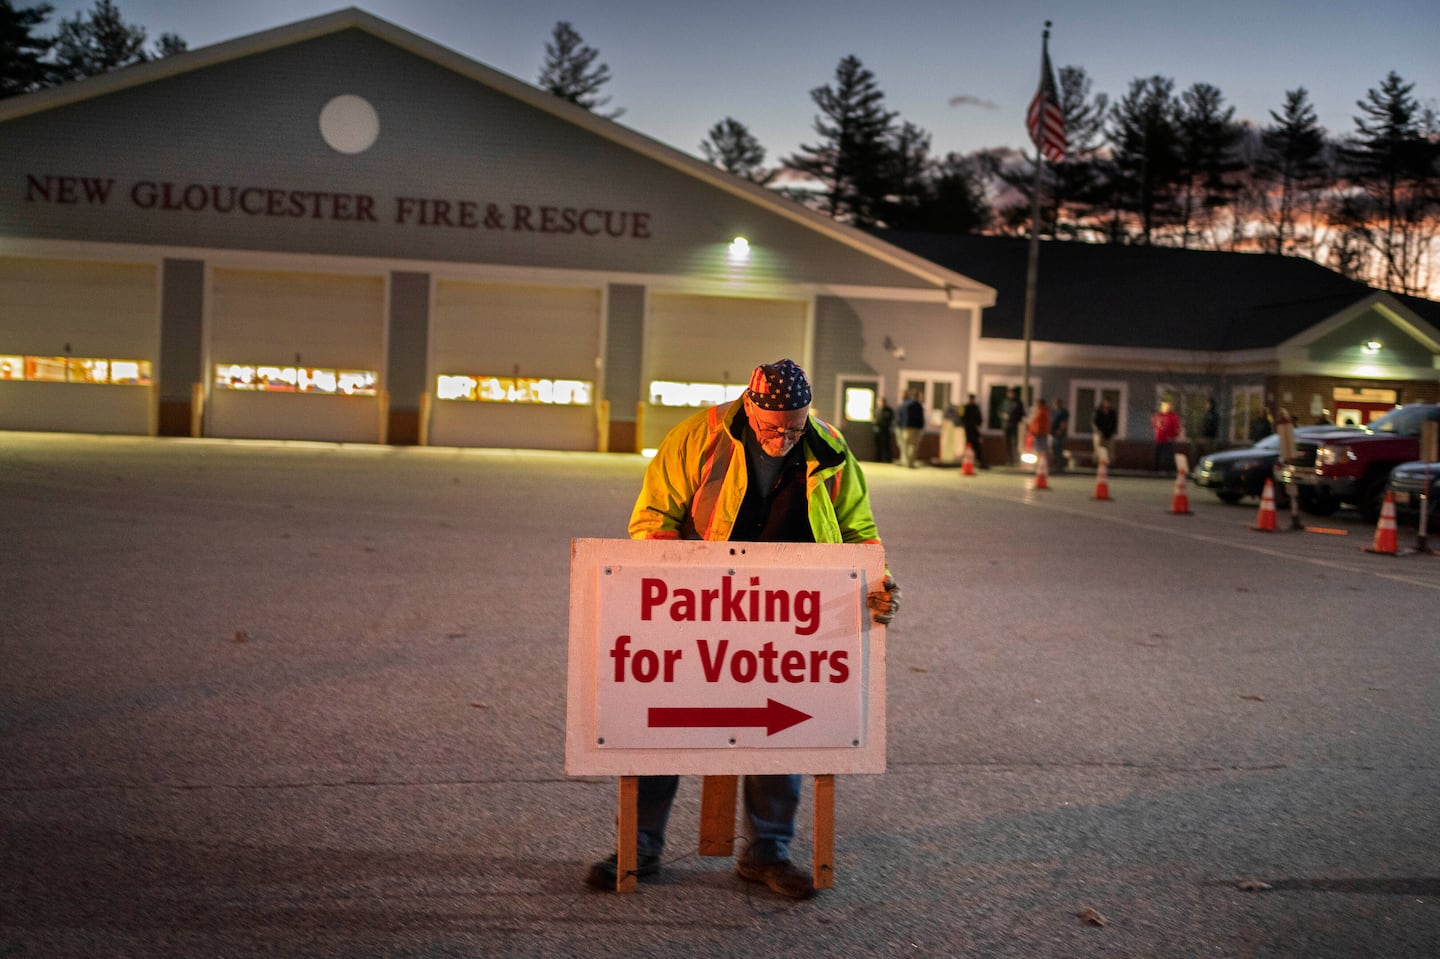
[[1059, 433], [1209, 430], [1040, 429], [884, 432], [1166, 424], [912, 427], [970, 419], [1105, 422], [1014, 419], [760, 469]]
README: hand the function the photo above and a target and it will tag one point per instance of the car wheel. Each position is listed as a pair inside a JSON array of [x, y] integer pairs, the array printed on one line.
[[1231, 498], [1318, 504]]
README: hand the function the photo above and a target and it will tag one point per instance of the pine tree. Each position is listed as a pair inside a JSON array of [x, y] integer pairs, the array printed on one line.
[[169, 44], [958, 203], [1391, 162], [569, 71], [22, 52], [1292, 158], [731, 146], [852, 159], [1208, 137], [1145, 162], [89, 45]]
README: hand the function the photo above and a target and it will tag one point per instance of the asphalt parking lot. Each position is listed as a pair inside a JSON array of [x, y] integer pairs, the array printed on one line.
[[308, 700]]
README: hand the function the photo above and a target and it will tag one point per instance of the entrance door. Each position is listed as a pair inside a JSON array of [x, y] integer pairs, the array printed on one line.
[[857, 399]]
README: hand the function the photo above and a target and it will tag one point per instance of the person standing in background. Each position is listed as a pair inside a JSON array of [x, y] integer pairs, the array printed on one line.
[[1014, 419], [1040, 429], [912, 427], [1167, 430], [884, 432], [1059, 433], [970, 419], [1104, 424]]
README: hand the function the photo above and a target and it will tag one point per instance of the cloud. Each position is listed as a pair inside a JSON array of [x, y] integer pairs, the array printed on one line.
[[966, 100]]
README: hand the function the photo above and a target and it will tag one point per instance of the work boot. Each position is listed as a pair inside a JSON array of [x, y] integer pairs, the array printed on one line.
[[782, 878], [602, 875]]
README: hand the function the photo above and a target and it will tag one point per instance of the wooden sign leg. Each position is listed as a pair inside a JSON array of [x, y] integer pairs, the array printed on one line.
[[626, 834], [717, 815], [824, 831]]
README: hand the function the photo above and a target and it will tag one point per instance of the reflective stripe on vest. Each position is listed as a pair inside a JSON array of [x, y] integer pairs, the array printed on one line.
[[712, 476]]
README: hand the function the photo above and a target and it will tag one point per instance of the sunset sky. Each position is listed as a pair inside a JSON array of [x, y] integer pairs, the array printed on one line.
[[964, 71]]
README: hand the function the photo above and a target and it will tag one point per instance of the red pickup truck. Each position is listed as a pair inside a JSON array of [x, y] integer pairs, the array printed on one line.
[[1352, 467]]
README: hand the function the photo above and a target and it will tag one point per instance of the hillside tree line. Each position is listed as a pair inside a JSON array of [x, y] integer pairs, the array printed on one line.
[[1156, 166]]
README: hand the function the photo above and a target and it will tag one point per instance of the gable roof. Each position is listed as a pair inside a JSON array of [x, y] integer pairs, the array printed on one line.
[[961, 289], [1151, 297]]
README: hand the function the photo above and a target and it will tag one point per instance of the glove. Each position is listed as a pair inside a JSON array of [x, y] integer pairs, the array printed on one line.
[[884, 602]]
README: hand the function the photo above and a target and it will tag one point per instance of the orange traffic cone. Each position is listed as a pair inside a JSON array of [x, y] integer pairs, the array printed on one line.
[[1265, 521], [1180, 503], [1042, 471], [1102, 481], [967, 462], [1385, 540]]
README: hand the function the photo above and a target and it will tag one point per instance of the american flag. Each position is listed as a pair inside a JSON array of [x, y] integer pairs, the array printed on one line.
[[1044, 119]]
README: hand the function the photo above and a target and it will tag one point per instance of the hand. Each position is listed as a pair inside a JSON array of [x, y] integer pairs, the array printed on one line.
[[885, 601]]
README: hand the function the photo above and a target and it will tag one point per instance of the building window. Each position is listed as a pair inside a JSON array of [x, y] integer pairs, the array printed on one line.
[[513, 389], [1246, 402], [74, 369], [670, 393], [938, 390], [1086, 397], [294, 379]]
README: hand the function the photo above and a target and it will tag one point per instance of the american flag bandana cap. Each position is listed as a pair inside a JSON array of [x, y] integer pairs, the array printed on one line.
[[779, 386]]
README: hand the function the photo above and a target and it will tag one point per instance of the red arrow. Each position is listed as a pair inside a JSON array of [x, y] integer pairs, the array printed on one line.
[[773, 716]]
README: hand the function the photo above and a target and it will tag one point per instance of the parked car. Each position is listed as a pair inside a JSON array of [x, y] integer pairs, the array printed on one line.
[[1353, 467], [1407, 482], [1236, 473]]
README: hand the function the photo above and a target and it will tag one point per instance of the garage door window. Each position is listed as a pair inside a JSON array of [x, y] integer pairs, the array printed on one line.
[[294, 379], [74, 369], [514, 389], [670, 393]]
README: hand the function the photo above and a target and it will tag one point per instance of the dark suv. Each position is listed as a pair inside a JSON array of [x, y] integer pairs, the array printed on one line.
[[1353, 467]]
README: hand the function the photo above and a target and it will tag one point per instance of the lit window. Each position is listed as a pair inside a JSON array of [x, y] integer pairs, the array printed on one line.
[[670, 393], [859, 404], [510, 389], [295, 379], [70, 369]]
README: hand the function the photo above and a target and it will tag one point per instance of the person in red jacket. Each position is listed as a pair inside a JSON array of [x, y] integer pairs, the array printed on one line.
[[1040, 429], [1167, 430]]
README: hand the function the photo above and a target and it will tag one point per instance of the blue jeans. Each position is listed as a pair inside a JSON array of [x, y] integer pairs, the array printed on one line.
[[770, 805]]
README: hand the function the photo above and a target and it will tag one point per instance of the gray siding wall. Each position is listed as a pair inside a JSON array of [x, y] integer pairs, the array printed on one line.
[[254, 123]]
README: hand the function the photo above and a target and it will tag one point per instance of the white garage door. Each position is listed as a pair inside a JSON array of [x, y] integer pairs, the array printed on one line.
[[79, 341], [713, 340], [513, 366], [295, 355]]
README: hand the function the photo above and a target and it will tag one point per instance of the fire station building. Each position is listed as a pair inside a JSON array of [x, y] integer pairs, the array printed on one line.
[[338, 230]]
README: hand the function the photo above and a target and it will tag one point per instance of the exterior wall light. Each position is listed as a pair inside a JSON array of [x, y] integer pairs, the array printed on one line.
[[739, 248], [1371, 347]]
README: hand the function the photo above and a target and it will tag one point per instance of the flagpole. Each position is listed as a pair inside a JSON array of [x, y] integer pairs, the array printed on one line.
[[1032, 270]]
